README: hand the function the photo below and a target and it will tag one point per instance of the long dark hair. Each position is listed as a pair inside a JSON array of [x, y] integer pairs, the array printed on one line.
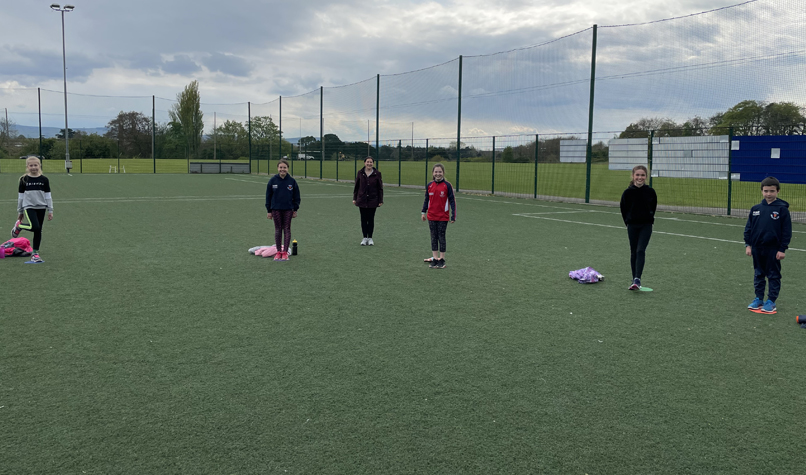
[[638, 167]]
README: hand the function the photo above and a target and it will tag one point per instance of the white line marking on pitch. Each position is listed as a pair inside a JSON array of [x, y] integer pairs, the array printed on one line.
[[531, 215], [616, 213]]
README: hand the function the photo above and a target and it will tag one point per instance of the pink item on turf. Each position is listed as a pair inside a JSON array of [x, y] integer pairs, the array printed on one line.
[[266, 251], [17, 247]]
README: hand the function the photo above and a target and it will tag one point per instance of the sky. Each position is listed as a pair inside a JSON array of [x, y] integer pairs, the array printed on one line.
[[256, 51]]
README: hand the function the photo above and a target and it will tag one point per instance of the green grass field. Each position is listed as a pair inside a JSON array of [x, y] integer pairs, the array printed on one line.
[[560, 180], [150, 341]]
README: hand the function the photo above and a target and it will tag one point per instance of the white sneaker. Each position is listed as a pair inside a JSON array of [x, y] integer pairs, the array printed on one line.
[[364, 242], [370, 242]]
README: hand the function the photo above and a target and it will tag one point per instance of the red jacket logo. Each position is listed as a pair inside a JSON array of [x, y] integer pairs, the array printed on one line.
[[442, 194]]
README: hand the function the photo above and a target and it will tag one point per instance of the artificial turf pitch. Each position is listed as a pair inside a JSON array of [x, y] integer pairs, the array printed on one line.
[[151, 342]]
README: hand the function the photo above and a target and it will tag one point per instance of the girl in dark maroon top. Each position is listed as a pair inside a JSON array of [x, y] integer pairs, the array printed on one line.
[[368, 196]]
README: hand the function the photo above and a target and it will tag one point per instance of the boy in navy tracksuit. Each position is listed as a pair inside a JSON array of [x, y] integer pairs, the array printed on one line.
[[766, 238]]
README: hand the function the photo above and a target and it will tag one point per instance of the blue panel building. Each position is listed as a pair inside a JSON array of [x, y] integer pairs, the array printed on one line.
[[781, 156]]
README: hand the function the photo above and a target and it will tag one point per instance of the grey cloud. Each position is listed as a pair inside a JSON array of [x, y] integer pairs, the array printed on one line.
[[182, 64], [228, 64], [31, 66]]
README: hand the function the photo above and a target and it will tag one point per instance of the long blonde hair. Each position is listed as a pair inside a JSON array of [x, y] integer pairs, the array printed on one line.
[[28, 159]]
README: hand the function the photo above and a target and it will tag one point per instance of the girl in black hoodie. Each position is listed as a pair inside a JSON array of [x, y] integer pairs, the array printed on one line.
[[638, 205]]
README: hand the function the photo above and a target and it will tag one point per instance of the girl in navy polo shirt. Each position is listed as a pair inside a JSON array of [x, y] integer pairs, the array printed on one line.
[[438, 200], [282, 203]]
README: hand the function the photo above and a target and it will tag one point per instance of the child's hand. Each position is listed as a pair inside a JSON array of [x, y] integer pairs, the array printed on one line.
[[294, 214], [453, 221], [423, 217], [50, 216], [269, 216], [780, 256], [748, 250]]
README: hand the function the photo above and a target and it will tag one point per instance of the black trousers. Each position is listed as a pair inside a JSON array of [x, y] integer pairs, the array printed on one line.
[[639, 235], [367, 221], [438, 229], [767, 269], [36, 218]]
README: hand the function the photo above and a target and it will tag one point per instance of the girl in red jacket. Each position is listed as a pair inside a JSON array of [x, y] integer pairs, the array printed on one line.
[[438, 200]]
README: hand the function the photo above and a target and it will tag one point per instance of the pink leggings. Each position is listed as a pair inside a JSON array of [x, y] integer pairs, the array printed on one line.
[[282, 225]]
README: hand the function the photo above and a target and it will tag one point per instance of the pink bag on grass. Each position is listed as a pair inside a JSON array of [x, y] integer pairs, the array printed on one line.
[[17, 247]]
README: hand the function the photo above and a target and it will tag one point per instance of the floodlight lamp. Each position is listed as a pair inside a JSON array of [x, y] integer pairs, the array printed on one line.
[[55, 6], [69, 8]]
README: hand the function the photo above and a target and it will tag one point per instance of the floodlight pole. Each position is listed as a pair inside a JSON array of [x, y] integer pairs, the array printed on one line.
[[67, 8]]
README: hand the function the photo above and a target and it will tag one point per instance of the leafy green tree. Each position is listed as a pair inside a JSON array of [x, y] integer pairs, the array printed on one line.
[[264, 130], [508, 155], [60, 135], [187, 115], [232, 139], [132, 132]]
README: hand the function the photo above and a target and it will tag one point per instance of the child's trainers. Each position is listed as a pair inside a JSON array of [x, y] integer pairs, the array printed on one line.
[[756, 304], [15, 231], [636, 284], [36, 258], [278, 256], [441, 264], [769, 307], [434, 264], [283, 256]]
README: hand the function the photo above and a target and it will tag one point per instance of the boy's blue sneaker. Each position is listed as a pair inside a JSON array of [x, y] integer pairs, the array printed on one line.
[[769, 307], [756, 304]]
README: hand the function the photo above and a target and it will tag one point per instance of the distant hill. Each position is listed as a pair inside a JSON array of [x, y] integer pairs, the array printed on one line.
[[32, 132]]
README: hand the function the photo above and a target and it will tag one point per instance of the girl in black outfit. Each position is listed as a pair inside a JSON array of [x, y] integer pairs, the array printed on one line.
[[638, 205], [368, 196]]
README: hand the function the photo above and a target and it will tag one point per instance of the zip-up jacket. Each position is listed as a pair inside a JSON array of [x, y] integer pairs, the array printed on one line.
[[769, 225], [282, 193], [34, 193], [368, 190], [638, 205], [438, 199]]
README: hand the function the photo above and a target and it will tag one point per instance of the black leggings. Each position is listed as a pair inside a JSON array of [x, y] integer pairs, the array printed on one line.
[[639, 235], [367, 221], [35, 218], [438, 229]]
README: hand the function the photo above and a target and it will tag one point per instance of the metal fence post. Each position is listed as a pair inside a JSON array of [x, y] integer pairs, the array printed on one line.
[[399, 160], [730, 162], [321, 130], [650, 151], [249, 119], [377, 121], [493, 180], [280, 149], [588, 147], [39, 103], [459, 125], [153, 132], [426, 162], [537, 147]]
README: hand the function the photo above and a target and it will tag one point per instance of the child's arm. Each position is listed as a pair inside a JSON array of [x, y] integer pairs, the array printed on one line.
[[20, 197], [786, 234], [452, 202], [380, 193], [425, 203], [49, 200], [296, 199], [269, 192]]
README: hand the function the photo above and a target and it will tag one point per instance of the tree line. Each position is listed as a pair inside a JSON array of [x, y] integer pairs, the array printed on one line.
[[129, 135]]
